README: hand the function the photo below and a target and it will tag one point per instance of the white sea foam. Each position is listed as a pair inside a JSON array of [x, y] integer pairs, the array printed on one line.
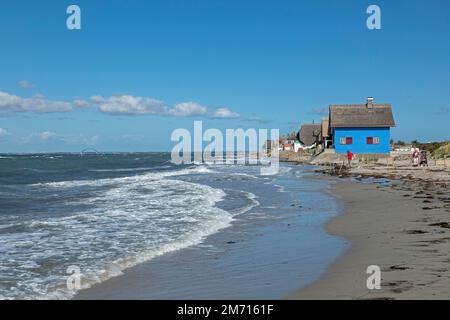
[[280, 188], [246, 175], [283, 169], [147, 176], [122, 169], [125, 221], [254, 203]]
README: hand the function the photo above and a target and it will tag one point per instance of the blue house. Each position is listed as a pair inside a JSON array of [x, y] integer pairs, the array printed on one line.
[[361, 128]]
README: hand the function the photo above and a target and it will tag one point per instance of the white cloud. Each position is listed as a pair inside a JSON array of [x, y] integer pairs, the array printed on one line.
[[133, 105], [224, 113], [126, 104], [37, 137], [80, 103], [80, 139], [68, 139], [116, 104], [46, 135], [188, 109], [37, 103], [256, 118], [3, 132], [24, 84]]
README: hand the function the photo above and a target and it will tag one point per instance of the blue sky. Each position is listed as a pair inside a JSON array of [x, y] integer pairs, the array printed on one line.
[[137, 70]]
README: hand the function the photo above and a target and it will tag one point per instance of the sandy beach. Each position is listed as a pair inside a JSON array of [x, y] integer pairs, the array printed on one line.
[[402, 228], [397, 219]]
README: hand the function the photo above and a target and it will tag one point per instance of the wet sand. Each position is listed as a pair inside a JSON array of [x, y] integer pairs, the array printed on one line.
[[403, 229], [268, 252]]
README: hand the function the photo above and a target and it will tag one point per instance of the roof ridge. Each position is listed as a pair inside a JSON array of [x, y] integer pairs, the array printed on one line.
[[360, 115], [361, 105]]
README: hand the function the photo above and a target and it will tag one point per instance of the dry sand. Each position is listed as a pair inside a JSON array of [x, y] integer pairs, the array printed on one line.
[[402, 228]]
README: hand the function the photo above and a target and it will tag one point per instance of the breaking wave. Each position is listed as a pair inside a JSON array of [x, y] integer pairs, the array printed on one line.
[[118, 223]]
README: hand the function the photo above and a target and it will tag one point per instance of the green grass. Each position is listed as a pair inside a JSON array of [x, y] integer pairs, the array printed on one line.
[[435, 148], [443, 151]]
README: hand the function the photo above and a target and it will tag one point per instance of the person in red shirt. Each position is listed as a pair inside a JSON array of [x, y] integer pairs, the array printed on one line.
[[349, 157]]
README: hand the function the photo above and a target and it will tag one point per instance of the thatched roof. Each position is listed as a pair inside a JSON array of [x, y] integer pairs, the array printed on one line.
[[361, 115], [325, 127], [310, 133]]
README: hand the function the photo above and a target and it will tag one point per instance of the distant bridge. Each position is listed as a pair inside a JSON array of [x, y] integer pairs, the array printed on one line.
[[89, 151]]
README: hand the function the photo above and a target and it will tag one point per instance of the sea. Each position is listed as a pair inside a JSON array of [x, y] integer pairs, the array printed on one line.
[[102, 215]]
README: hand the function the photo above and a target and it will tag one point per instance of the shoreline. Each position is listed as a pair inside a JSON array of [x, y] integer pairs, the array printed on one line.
[[399, 224], [251, 259], [402, 229]]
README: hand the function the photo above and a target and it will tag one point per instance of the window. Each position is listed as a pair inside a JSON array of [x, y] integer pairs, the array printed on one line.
[[346, 140], [373, 140]]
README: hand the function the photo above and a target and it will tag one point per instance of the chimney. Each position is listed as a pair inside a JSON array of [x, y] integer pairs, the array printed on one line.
[[369, 103]]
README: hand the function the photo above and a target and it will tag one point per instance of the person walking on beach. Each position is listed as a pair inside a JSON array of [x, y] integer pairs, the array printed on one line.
[[349, 158], [415, 157]]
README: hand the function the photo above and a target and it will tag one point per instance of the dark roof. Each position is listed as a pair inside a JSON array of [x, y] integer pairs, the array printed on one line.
[[310, 133], [360, 115]]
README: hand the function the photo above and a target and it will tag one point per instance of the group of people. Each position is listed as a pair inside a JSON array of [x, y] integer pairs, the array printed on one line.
[[416, 157]]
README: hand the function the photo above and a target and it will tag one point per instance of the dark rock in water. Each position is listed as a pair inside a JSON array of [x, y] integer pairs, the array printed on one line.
[[231, 242], [415, 232], [441, 224], [398, 268]]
